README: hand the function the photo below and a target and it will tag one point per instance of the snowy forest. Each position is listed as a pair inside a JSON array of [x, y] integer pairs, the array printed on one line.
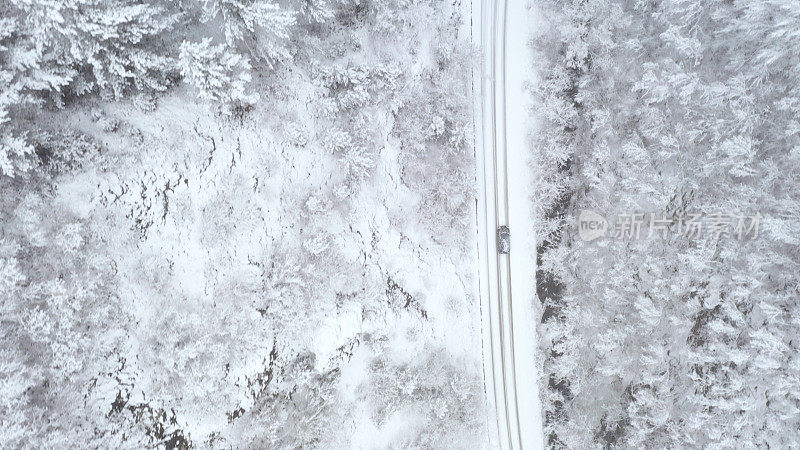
[[237, 224], [252, 224], [672, 107]]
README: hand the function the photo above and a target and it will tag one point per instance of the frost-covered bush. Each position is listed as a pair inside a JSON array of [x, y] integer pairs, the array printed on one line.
[[435, 125], [15, 153]]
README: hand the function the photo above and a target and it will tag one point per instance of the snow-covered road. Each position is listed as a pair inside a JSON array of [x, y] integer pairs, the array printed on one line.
[[504, 186]]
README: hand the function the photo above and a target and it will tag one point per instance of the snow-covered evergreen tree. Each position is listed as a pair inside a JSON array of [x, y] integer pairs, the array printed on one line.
[[92, 45], [259, 27], [217, 73]]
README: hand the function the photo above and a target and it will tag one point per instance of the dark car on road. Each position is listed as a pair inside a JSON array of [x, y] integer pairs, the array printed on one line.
[[503, 240]]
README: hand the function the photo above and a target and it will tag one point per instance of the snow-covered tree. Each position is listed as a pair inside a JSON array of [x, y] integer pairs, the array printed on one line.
[[217, 73], [55, 51], [259, 27], [314, 11], [91, 45]]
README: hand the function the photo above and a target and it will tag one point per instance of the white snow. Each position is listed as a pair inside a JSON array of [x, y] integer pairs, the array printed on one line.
[[521, 22]]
